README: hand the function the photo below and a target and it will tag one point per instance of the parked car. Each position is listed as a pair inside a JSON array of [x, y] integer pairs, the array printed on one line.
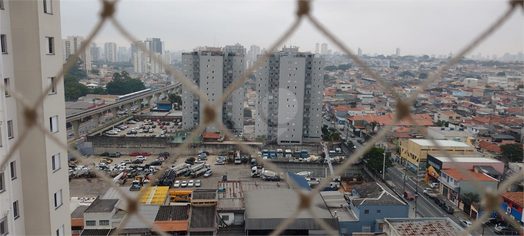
[[465, 223], [156, 163], [126, 161], [439, 202], [138, 161], [223, 153], [191, 183], [135, 154], [190, 160], [202, 156], [184, 184], [143, 158], [208, 173], [104, 154], [198, 183], [114, 154], [177, 184], [447, 209], [145, 154], [106, 160], [220, 163], [408, 195]]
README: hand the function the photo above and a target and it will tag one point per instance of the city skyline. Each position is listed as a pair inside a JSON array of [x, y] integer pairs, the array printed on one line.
[[441, 31]]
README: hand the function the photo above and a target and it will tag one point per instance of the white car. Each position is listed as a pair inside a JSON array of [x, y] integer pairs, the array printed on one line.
[[208, 173], [191, 183], [126, 161], [198, 183], [177, 184], [465, 223], [143, 158], [184, 184]]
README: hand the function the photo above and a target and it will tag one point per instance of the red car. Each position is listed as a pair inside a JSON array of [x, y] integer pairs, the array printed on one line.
[[145, 154], [408, 196], [135, 154]]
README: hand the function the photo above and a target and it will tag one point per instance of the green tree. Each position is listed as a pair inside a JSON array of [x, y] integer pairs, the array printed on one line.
[[470, 198], [513, 152], [123, 84], [175, 98], [330, 68], [488, 86], [423, 75], [344, 67], [73, 90], [501, 74], [248, 113], [520, 86], [374, 159], [95, 72], [76, 70], [98, 90], [406, 73]]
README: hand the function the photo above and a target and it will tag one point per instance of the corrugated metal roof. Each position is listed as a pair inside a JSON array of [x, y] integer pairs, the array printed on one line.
[[170, 213], [424, 226], [148, 211], [112, 193], [203, 217], [95, 232], [269, 207], [102, 205], [154, 195], [171, 226], [232, 196], [442, 143], [204, 194], [78, 213]]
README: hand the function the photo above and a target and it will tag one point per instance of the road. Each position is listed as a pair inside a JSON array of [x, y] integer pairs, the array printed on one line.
[[343, 134], [425, 206]]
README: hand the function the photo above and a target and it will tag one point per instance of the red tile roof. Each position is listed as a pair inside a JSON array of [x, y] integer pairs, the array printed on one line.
[[456, 174], [210, 135], [517, 197], [490, 146]]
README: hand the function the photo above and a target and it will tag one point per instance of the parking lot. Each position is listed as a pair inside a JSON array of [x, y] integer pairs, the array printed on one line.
[[91, 187], [136, 128]]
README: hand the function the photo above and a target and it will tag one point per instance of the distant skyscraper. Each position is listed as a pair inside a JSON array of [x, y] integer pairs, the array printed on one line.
[[398, 52], [110, 52], [155, 45], [254, 51], [359, 52], [206, 68], [237, 48], [71, 45], [95, 52], [324, 49], [122, 54], [34, 188], [494, 57], [316, 48], [289, 97]]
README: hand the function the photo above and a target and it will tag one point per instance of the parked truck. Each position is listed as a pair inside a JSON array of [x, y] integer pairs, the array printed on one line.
[[199, 172], [180, 195], [269, 175], [303, 154]]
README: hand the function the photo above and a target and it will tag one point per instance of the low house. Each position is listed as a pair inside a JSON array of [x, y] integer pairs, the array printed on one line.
[[454, 184]]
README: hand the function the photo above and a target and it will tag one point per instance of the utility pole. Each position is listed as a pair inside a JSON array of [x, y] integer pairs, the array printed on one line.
[[416, 192], [384, 166]]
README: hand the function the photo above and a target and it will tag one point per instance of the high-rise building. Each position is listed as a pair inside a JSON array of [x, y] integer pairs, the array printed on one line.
[[237, 48], [254, 51], [316, 48], [110, 52], [71, 45], [289, 97], [140, 62], [398, 52], [359, 52], [324, 49], [122, 54], [155, 45], [34, 187], [95, 52], [213, 70]]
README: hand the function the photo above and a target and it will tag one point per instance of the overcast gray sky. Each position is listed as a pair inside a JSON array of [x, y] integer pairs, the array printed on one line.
[[416, 27]]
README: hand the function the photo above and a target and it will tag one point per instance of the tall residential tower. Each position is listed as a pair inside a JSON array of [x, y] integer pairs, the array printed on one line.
[[34, 187], [289, 97], [213, 70], [71, 45]]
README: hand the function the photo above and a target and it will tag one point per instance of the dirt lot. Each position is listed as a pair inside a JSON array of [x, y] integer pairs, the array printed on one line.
[[92, 187]]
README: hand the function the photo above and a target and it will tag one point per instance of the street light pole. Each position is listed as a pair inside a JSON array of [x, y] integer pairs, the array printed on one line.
[[384, 166]]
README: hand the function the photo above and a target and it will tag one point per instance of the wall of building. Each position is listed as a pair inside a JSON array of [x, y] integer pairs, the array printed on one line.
[[98, 216]]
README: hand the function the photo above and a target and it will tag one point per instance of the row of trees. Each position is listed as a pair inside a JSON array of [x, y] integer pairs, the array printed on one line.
[[343, 67], [330, 133], [122, 83]]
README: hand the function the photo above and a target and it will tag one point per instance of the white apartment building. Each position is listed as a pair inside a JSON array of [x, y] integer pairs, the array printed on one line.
[[289, 97], [324, 49], [213, 70], [110, 52], [34, 187], [71, 45]]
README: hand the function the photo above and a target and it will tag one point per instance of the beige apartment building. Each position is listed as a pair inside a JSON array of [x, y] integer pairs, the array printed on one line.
[[34, 187]]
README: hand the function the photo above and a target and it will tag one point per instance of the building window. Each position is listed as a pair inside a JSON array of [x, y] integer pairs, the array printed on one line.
[[3, 226], [104, 222], [378, 211], [60, 231], [16, 211], [10, 131], [12, 167], [50, 81], [58, 199], [90, 222], [2, 5], [380, 225], [55, 159], [2, 183], [366, 212], [50, 49], [225, 217], [7, 85], [47, 7], [3, 41], [366, 229], [53, 122]]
